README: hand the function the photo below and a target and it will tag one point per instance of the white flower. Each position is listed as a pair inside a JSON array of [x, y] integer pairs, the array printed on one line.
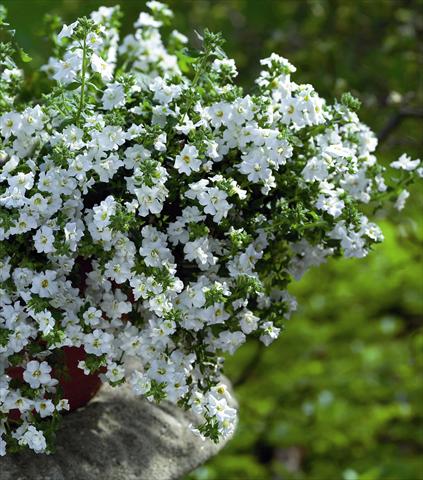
[[226, 65], [219, 113], [98, 342], [45, 408], [230, 341], [45, 321], [278, 60], [37, 374], [34, 439], [405, 163], [187, 161], [92, 316], [102, 67], [199, 251], [45, 284], [22, 181], [146, 20], [72, 235], [113, 96], [248, 321], [164, 92], [160, 143], [180, 37], [220, 408], [214, 203], [270, 333], [315, 169], [291, 110], [402, 198], [255, 166], [330, 203], [10, 123], [104, 211], [118, 270], [73, 137], [43, 240], [67, 31], [115, 372], [63, 405], [140, 383], [66, 70]]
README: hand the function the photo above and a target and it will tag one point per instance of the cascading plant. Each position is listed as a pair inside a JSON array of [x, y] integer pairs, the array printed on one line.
[[150, 209]]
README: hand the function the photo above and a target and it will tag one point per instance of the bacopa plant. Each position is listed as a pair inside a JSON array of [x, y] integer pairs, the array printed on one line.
[[151, 210]]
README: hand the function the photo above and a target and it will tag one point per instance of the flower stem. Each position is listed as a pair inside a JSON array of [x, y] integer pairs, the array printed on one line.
[[83, 72]]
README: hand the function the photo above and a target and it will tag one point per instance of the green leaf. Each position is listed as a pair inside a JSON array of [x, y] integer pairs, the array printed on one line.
[[72, 86], [24, 56]]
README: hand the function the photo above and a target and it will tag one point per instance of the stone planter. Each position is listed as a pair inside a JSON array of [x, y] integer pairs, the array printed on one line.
[[117, 436]]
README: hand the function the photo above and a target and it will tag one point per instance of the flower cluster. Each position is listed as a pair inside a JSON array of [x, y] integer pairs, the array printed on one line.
[[150, 209]]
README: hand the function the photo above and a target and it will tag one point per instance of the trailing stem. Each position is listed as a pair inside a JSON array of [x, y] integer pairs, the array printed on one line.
[[83, 74]]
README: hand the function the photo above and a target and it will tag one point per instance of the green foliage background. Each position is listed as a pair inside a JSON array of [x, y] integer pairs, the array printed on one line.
[[339, 395]]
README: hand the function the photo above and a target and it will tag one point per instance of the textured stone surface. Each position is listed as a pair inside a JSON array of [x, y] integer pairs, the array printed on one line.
[[116, 437]]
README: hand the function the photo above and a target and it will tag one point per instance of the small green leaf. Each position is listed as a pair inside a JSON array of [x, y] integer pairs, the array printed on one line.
[[72, 86], [24, 56]]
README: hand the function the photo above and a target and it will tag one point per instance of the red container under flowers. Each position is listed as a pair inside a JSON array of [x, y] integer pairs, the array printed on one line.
[[77, 387]]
